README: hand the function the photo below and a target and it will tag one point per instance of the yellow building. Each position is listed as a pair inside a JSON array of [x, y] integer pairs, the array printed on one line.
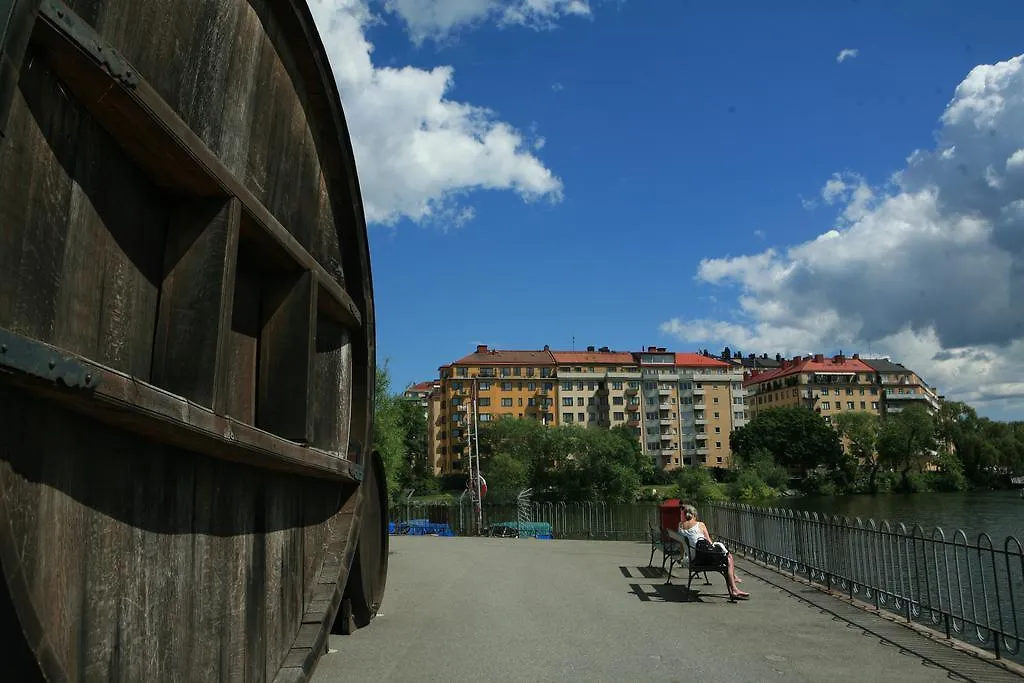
[[829, 386], [518, 384]]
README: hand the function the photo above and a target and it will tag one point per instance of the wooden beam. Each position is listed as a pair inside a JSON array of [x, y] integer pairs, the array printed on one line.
[[121, 400], [287, 348], [196, 299], [156, 138]]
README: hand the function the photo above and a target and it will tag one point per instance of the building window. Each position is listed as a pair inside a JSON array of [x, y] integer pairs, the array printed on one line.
[[485, 417], [529, 403], [849, 405], [616, 385], [517, 371], [718, 430], [863, 405], [506, 403], [460, 372], [567, 401], [617, 400], [529, 372], [567, 417], [719, 458], [549, 386], [716, 414], [506, 372], [484, 386], [718, 444], [714, 400], [874, 405], [566, 386], [580, 401], [531, 386], [591, 386], [619, 416], [506, 386], [520, 401], [484, 401], [456, 386]]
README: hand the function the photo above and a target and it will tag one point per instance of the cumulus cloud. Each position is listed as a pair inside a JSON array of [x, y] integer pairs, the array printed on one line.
[[848, 53], [438, 19], [927, 268], [418, 151]]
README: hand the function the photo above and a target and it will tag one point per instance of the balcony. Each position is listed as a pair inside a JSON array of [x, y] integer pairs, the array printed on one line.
[[664, 391], [698, 391], [631, 390], [666, 421]]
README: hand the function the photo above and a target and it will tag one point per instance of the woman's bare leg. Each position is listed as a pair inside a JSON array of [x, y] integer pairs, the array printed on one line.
[[733, 582]]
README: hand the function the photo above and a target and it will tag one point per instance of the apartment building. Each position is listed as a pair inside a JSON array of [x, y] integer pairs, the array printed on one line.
[[680, 406], [831, 386], [598, 387], [518, 384], [420, 393], [900, 386], [712, 402]]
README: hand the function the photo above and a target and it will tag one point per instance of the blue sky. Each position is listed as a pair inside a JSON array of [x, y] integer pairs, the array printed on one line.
[[636, 172]]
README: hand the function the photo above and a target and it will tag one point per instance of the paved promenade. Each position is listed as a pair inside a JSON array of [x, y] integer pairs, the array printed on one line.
[[482, 609]]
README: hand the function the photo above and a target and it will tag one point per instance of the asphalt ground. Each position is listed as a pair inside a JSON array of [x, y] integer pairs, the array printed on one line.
[[489, 609]]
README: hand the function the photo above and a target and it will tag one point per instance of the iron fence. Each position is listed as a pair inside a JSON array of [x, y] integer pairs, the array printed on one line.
[[590, 520], [972, 592]]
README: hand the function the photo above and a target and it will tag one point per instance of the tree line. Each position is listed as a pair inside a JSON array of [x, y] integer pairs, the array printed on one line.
[[781, 450]]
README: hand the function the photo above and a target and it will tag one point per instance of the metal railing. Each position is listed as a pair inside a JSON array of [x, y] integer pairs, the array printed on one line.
[[971, 592], [587, 521]]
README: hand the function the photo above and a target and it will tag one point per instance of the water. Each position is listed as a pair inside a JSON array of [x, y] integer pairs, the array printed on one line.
[[997, 513]]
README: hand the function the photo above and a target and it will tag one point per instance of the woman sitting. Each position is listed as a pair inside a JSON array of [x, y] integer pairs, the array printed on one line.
[[694, 530]]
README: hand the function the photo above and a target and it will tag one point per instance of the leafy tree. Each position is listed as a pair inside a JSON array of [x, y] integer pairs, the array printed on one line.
[[697, 485], [862, 431], [796, 438], [388, 434], [906, 441]]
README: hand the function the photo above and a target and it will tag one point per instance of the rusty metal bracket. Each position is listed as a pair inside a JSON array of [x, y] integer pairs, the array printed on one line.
[[85, 37], [31, 357]]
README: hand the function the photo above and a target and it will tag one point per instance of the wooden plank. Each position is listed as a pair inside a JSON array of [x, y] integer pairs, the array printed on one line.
[[137, 406], [196, 301], [163, 146], [241, 356], [331, 404], [286, 356]]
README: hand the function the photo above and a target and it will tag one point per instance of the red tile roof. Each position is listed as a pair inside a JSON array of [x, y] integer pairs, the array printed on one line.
[[422, 386], [594, 357], [697, 360], [817, 363], [485, 356]]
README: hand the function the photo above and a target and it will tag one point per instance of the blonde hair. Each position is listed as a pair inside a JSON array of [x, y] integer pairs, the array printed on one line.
[[689, 512]]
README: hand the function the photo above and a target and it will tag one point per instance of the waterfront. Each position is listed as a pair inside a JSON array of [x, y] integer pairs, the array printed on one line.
[[997, 513]]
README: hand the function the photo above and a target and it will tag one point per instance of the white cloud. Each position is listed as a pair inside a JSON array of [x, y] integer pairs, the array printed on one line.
[[557, 87], [848, 53], [418, 152], [438, 19], [928, 269]]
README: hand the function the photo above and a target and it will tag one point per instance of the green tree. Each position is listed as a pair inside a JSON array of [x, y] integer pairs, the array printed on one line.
[[907, 441], [862, 431], [697, 485], [417, 470], [796, 437], [388, 434]]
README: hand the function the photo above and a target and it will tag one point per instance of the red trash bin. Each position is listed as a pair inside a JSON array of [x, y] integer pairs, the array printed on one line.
[[671, 513]]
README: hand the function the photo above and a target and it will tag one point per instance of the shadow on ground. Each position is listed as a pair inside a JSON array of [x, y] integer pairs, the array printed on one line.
[[661, 591]]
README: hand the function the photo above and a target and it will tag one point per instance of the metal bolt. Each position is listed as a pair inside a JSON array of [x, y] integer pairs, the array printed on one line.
[[3, 348], [88, 378], [53, 364]]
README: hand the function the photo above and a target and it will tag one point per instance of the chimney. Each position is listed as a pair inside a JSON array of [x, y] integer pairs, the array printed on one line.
[[590, 348], [856, 356], [547, 348], [481, 348], [839, 358], [604, 349], [819, 357]]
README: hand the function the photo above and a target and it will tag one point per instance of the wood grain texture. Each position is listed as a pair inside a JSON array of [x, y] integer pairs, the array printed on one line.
[[287, 340], [196, 301], [196, 242]]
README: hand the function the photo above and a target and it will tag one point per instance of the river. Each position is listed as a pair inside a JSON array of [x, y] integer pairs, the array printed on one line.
[[997, 513]]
